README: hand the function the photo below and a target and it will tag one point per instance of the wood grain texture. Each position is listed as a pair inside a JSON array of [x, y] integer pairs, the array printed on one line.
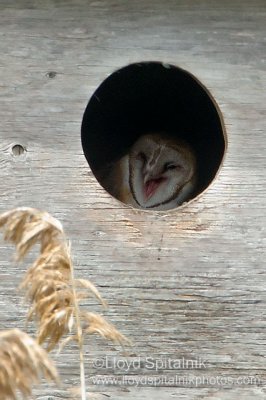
[[185, 284]]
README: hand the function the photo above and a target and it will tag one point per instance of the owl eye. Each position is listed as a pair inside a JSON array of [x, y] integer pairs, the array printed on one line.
[[170, 165], [141, 156]]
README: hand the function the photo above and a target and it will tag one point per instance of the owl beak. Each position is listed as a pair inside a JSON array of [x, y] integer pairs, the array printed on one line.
[[151, 185]]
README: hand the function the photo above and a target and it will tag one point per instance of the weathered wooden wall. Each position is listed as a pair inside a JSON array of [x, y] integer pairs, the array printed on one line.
[[190, 283]]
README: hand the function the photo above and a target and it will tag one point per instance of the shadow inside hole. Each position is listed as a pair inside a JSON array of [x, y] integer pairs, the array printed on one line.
[[18, 150], [153, 97]]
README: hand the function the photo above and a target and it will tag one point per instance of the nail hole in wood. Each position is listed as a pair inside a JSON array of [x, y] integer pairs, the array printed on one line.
[[153, 97], [18, 150], [51, 74]]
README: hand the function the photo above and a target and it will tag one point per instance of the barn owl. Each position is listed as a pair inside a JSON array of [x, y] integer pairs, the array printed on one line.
[[158, 173]]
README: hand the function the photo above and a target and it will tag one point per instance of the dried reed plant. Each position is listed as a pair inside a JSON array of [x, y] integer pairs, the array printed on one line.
[[26, 226], [50, 285], [22, 363]]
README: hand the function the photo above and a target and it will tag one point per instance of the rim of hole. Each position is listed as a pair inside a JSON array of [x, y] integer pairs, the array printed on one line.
[[152, 84]]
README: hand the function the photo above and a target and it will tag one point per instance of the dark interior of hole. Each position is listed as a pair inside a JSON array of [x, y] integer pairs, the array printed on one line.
[[152, 97]]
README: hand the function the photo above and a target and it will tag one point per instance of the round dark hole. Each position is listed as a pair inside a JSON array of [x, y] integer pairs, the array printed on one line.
[[147, 98], [18, 149], [51, 74]]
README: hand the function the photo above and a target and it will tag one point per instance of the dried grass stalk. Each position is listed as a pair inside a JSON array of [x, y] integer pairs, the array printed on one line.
[[50, 285], [46, 284], [22, 364], [95, 323], [26, 226]]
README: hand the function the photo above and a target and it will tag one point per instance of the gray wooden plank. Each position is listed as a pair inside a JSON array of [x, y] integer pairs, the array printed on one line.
[[188, 283]]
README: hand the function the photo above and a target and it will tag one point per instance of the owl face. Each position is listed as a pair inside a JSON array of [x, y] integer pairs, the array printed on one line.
[[160, 169]]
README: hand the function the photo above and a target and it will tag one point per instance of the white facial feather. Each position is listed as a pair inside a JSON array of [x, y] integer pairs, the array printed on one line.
[[159, 173], [162, 172]]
